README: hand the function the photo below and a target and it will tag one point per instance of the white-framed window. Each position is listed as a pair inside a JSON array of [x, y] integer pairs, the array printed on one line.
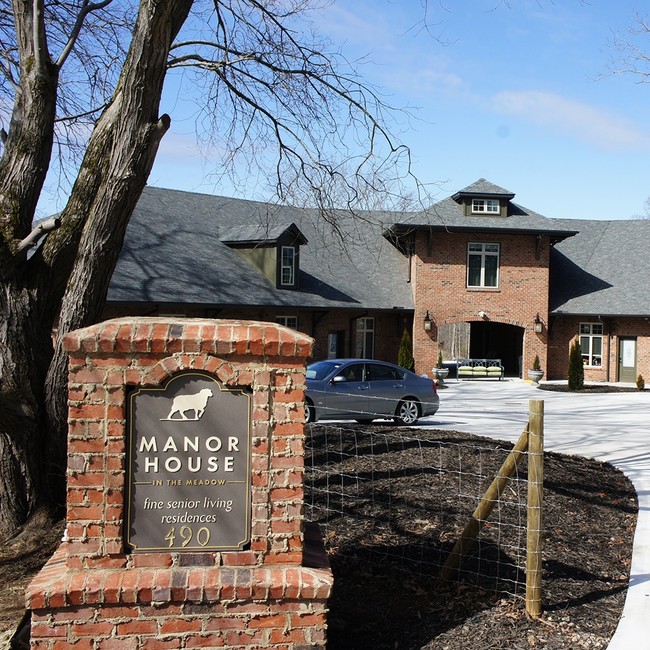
[[482, 265], [591, 344], [288, 266], [365, 343], [287, 321], [486, 206]]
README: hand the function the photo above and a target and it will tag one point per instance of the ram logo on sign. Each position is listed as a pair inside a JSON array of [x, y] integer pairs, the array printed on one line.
[[184, 403]]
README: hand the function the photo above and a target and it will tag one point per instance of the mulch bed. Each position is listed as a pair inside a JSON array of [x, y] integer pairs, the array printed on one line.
[[589, 388], [385, 560], [397, 521]]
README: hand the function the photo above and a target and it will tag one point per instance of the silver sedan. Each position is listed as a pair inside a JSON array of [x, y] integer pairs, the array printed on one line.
[[364, 390]]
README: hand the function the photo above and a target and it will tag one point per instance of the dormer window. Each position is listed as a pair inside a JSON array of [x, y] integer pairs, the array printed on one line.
[[288, 266], [273, 249], [486, 206], [485, 198]]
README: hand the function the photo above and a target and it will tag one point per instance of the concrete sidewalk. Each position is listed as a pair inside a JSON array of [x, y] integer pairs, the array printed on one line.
[[612, 427]]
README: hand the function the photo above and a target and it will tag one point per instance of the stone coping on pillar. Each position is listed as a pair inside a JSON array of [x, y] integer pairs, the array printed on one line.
[[189, 335]]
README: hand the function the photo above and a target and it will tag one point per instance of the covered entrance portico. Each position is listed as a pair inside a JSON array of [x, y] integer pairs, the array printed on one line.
[[488, 340], [484, 340]]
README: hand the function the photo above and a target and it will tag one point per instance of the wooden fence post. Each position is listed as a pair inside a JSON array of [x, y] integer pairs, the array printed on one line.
[[535, 499]]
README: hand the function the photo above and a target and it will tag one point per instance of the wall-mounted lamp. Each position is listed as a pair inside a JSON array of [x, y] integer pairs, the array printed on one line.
[[538, 326], [483, 315], [427, 322]]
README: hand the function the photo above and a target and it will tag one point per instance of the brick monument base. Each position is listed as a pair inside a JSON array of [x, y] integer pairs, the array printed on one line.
[[96, 593]]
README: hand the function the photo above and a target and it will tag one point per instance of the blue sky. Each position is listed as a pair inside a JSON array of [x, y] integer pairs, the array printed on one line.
[[518, 93]]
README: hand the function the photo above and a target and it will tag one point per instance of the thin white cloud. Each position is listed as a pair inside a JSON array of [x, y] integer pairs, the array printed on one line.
[[430, 80], [368, 32], [598, 127]]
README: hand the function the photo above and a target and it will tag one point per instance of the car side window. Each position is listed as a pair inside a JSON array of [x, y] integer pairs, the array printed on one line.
[[353, 372], [377, 372]]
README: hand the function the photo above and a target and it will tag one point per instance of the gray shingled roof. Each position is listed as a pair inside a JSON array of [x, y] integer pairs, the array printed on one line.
[[603, 270], [174, 254], [449, 215], [481, 187]]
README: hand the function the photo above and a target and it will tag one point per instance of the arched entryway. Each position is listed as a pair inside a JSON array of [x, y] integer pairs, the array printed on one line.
[[489, 340]]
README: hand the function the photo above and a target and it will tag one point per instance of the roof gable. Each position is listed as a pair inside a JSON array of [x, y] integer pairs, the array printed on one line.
[[482, 188], [452, 215], [268, 234]]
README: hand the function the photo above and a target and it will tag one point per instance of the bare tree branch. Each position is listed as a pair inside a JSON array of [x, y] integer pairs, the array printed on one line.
[[86, 8], [41, 229], [272, 93], [632, 59]]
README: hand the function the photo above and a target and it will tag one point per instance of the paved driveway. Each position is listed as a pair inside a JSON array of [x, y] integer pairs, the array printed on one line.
[[612, 427]]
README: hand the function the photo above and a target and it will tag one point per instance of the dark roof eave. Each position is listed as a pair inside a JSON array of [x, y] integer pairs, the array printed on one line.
[[597, 315], [231, 305], [404, 229], [460, 195], [250, 243]]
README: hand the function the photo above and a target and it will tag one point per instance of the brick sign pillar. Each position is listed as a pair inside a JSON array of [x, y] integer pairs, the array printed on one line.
[[185, 493]]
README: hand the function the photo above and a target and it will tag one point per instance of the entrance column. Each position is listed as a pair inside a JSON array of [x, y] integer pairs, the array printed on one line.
[[184, 492]]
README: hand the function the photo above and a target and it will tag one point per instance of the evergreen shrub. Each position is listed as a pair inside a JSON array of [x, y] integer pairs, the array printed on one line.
[[576, 373]]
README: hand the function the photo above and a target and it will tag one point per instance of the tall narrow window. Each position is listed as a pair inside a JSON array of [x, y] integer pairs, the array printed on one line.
[[365, 343], [288, 266], [482, 265], [591, 344]]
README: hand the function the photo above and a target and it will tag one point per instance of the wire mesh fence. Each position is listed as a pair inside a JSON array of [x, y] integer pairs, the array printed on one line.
[[398, 499]]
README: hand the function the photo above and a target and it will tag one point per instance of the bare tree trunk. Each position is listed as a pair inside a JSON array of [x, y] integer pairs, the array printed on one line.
[[113, 174], [66, 281], [25, 347], [264, 82], [19, 409]]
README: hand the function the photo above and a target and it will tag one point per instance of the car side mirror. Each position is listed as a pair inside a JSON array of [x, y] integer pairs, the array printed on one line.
[[338, 379]]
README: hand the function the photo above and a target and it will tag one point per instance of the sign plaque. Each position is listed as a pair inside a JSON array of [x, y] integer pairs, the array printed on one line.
[[189, 466]]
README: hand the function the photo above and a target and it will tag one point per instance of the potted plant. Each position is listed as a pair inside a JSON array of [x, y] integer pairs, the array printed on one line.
[[536, 372], [440, 372]]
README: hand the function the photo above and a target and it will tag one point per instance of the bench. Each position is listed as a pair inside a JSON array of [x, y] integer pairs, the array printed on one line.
[[479, 369]]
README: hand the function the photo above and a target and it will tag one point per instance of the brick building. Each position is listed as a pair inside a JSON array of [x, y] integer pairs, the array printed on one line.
[[474, 275]]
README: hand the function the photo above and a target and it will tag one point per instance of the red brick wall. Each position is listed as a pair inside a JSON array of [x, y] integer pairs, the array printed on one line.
[[439, 277], [260, 597], [565, 328], [317, 324]]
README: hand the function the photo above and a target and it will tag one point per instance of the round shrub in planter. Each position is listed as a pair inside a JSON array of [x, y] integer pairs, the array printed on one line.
[[536, 372]]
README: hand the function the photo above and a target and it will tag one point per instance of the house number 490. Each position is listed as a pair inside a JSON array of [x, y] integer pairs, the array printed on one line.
[[186, 534]]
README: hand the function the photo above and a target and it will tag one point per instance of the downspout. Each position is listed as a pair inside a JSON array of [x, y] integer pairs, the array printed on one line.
[[609, 347], [609, 351]]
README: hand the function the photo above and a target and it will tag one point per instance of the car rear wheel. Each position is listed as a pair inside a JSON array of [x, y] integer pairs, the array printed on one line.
[[310, 413], [408, 412]]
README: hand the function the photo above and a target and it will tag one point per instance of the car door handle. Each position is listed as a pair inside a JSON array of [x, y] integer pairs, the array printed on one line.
[[398, 385]]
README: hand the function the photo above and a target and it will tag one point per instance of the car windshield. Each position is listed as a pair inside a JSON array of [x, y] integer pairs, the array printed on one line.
[[321, 369]]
